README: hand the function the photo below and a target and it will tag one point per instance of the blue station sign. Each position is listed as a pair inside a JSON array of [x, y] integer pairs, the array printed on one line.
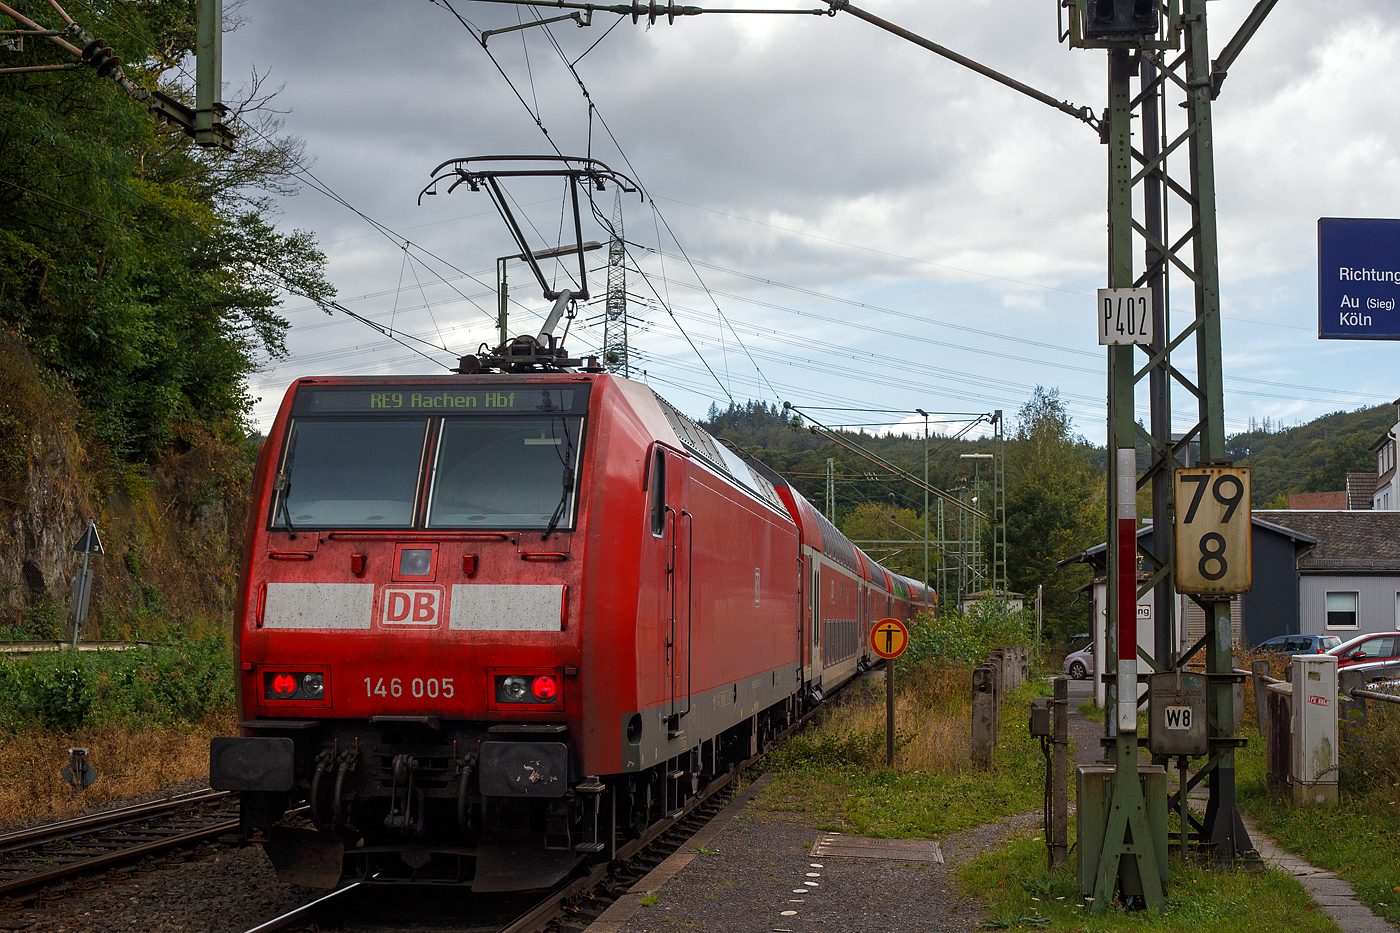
[[1358, 279]]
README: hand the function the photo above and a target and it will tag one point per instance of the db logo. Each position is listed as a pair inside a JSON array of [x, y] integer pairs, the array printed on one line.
[[419, 605]]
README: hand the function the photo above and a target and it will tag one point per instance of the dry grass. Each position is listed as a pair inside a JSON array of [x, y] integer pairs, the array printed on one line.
[[931, 718], [128, 763]]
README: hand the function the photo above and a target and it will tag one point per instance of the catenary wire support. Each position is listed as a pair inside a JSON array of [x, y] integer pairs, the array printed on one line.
[[1143, 39], [203, 122], [614, 353]]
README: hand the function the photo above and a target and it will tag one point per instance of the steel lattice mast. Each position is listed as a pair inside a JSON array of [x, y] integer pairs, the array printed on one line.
[[615, 316]]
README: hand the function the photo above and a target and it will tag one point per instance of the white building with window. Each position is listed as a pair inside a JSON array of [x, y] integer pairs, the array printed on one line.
[[1387, 494], [1349, 583]]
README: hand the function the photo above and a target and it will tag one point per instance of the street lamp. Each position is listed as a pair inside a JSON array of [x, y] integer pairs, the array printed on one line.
[[925, 414], [502, 291]]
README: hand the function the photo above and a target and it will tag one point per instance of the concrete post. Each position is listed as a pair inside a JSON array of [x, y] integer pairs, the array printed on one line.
[[984, 717]]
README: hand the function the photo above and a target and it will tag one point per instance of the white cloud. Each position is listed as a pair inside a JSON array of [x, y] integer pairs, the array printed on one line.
[[962, 202]]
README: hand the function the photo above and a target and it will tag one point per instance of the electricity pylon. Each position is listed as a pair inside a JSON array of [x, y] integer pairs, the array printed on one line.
[[615, 315]]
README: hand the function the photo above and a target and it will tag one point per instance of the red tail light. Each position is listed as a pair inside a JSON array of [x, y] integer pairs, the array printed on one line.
[[284, 685], [546, 688]]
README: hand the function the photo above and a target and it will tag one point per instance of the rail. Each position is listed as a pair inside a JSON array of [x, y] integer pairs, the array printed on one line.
[[595, 879], [97, 822], [1359, 694], [119, 836]]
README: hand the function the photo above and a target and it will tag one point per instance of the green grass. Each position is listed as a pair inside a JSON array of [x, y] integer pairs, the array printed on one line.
[[851, 796], [1021, 893], [1359, 840]]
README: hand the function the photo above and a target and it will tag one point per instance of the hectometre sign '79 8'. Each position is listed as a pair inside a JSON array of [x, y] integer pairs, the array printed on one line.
[[1213, 555]]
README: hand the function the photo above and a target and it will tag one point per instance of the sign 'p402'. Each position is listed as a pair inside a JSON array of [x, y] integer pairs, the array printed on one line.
[[1125, 316], [1213, 555]]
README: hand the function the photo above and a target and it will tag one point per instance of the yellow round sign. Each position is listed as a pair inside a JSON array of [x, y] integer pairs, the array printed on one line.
[[889, 638]]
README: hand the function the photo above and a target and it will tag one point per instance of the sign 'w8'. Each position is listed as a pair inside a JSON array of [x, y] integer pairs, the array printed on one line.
[[1213, 556]]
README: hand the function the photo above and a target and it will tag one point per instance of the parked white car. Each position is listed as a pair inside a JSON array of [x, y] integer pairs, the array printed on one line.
[[1080, 664]]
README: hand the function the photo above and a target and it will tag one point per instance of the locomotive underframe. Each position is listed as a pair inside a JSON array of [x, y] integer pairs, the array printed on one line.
[[404, 802]]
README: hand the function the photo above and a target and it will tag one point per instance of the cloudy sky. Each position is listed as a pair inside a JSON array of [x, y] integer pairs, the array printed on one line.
[[833, 216]]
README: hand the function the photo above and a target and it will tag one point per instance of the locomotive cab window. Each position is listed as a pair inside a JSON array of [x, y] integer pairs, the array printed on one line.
[[518, 472], [316, 489], [432, 455]]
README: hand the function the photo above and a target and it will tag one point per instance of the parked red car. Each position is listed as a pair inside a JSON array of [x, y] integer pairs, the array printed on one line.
[[1365, 648]]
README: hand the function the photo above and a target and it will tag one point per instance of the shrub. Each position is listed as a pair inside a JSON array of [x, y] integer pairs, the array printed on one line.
[[1370, 756], [173, 685], [965, 638]]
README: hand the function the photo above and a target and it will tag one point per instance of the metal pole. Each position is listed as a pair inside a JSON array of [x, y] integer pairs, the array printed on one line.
[[78, 610], [889, 713], [942, 557], [501, 293], [1127, 842], [925, 414], [1059, 776], [1159, 388], [208, 70]]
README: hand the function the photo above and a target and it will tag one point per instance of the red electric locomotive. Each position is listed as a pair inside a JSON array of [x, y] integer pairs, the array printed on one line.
[[490, 625]]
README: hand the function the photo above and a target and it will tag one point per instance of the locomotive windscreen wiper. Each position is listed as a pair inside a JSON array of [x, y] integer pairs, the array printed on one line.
[[284, 488], [566, 456]]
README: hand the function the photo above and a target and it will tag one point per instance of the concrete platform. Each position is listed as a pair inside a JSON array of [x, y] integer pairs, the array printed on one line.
[[762, 876]]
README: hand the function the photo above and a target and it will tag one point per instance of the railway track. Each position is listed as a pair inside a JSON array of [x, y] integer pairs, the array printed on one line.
[[33, 858], [569, 908]]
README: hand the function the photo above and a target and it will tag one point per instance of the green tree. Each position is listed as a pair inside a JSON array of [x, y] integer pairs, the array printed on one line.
[[878, 521], [1350, 454], [143, 270], [1054, 505]]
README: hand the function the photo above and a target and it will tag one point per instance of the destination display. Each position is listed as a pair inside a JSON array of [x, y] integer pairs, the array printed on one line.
[[437, 399], [1358, 279]]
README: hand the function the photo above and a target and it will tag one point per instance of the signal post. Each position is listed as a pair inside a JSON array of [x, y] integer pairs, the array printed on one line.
[[1208, 554]]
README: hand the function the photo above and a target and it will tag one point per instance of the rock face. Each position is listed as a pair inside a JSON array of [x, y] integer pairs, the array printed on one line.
[[45, 485], [171, 530]]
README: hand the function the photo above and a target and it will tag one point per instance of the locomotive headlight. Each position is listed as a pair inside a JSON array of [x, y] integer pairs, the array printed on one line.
[[313, 685], [513, 689]]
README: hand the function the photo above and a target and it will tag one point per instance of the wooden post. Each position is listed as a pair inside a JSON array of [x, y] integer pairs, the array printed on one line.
[[1059, 776], [1260, 668]]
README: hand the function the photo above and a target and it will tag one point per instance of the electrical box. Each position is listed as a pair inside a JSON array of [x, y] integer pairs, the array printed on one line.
[[1176, 714], [1094, 785], [1041, 721], [1314, 771]]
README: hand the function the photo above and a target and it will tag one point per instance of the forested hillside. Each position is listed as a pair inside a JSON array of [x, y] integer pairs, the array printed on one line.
[[1312, 457], [139, 281], [1054, 482], [1054, 489]]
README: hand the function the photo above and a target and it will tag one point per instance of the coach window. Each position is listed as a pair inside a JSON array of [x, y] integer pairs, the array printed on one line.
[[658, 492], [1341, 610]]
